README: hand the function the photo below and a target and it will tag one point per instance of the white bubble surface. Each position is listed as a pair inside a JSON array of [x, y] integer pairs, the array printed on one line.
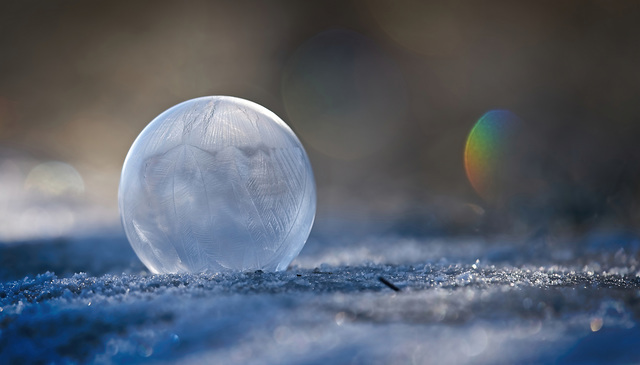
[[217, 183]]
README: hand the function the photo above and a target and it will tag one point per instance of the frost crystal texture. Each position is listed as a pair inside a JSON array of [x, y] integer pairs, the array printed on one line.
[[217, 183]]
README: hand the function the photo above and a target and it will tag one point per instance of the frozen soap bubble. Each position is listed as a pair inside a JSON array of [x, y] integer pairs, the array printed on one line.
[[217, 183]]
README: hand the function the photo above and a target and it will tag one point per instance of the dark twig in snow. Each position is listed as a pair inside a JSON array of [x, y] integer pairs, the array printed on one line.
[[388, 283]]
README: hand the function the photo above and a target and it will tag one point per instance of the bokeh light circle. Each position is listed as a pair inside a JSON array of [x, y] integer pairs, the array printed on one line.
[[55, 178], [492, 152], [343, 94], [430, 28]]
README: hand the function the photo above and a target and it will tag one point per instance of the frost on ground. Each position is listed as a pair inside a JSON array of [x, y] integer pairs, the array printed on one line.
[[460, 301]]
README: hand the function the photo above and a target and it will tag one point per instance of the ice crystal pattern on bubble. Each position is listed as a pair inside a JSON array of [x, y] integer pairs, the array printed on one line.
[[217, 183]]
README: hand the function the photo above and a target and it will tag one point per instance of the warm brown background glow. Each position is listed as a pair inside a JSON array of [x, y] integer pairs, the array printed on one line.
[[80, 79]]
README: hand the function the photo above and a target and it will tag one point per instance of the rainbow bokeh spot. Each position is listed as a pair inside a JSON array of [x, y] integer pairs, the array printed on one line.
[[489, 153]]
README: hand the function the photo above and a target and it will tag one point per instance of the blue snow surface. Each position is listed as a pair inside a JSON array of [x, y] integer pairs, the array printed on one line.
[[461, 300]]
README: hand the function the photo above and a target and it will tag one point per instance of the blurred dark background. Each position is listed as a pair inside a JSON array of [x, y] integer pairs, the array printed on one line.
[[382, 93]]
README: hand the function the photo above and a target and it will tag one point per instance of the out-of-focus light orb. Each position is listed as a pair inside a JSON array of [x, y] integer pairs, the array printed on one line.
[[343, 94], [430, 28], [217, 183], [55, 178], [491, 154]]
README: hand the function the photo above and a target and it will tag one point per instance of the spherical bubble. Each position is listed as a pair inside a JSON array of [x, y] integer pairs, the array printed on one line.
[[492, 154], [217, 183]]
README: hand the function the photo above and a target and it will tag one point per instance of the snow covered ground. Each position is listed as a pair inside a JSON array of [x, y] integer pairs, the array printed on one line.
[[461, 301]]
